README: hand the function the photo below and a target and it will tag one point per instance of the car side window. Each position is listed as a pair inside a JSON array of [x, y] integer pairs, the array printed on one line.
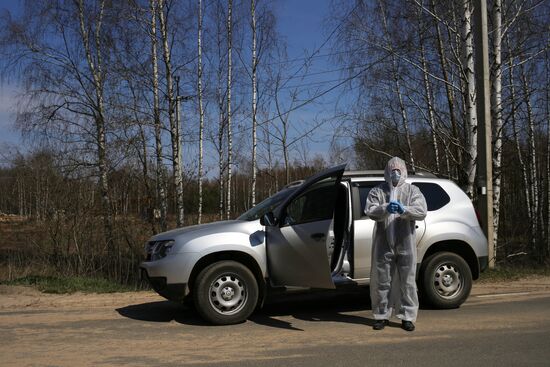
[[436, 197], [313, 205]]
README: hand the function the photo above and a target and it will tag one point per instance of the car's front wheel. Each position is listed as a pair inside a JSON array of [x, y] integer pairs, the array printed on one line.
[[446, 280], [225, 292]]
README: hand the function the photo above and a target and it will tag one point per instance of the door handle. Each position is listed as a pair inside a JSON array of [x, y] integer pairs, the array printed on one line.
[[318, 236]]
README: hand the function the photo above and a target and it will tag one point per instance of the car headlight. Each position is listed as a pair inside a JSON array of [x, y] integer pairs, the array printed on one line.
[[157, 250]]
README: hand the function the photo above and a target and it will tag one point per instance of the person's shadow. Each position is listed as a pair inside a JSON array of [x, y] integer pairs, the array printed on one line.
[[314, 306], [333, 306]]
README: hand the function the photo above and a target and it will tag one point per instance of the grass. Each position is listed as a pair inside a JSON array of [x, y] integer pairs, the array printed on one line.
[[61, 285], [66, 284], [503, 274]]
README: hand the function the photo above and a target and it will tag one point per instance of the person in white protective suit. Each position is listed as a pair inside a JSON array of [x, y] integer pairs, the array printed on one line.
[[395, 206]]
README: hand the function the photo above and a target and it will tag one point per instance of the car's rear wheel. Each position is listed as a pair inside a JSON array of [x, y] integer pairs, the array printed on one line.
[[225, 292], [446, 280]]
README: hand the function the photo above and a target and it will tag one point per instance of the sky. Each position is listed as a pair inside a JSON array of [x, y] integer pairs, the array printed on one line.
[[300, 22]]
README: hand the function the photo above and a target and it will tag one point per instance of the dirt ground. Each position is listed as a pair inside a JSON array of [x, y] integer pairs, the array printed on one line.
[[142, 329], [26, 298]]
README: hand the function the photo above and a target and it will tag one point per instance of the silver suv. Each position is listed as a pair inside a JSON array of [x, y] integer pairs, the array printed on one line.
[[313, 234]]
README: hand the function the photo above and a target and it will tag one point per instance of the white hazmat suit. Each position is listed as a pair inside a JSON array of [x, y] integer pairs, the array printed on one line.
[[393, 269]]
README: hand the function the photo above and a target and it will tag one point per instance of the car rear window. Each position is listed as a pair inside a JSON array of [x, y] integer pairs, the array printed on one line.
[[436, 197]]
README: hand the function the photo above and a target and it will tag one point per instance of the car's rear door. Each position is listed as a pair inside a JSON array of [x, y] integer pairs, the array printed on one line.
[[297, 245]]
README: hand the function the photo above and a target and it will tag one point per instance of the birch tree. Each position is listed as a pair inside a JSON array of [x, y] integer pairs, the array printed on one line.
[[496, 113], [441, 52], [201, 109], [95, 64], [532, 164], [470, 95], [254, 101], [174, 128], [219, 140], [160, 182], [229, 86]]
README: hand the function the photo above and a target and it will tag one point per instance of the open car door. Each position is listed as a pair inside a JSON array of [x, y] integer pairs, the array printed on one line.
[[297, 242]]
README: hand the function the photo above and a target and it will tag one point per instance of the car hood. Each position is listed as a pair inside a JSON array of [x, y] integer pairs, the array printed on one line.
[[186, 234]]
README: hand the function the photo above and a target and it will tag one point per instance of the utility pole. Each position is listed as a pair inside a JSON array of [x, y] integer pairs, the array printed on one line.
[[483, 96]]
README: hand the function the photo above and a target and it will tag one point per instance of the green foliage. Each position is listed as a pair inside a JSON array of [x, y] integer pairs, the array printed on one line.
[[62, 285]]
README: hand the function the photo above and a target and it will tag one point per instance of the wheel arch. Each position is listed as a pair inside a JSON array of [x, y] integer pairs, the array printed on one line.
[[238, 256], [458, 247]]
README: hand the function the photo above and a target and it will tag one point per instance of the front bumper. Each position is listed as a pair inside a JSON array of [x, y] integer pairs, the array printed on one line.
[[169, 276], [173, 292]]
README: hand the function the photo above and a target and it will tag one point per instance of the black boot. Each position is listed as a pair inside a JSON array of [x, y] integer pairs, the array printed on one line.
[[380, 324], [407, 325]]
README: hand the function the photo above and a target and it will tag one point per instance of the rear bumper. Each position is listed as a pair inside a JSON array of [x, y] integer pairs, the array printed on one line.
[[173, 292]]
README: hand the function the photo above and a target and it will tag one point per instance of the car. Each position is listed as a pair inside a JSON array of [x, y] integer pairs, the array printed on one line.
[[313, 234]]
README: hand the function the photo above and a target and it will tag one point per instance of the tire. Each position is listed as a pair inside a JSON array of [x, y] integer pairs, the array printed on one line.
[[446, 280], [225, 293]]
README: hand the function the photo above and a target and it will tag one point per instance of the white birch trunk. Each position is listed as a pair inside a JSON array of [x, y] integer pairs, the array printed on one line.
[[533, 175], [470, 103], [496, 106], [98, 79], [174, 128], [229, 132], [267, 139], [201, 110], [254, 102], [221, 122], [160, 182], [221, 132]]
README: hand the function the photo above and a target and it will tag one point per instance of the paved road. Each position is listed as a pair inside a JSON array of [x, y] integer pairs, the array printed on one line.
[[495, 329]]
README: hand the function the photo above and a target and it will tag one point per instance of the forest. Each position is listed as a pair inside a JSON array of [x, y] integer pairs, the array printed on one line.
[[139, 116]]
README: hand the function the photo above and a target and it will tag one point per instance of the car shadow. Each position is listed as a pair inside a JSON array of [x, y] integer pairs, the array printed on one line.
[[162, 311], [333, 306]]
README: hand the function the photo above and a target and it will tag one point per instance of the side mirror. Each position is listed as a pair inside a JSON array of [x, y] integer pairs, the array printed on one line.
[[268, 219]]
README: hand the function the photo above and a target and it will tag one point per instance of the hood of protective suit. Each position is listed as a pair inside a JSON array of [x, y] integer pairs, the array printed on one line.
[[395, 163]]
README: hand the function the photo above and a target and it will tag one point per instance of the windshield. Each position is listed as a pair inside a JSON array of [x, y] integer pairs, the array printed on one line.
[[268, 205]]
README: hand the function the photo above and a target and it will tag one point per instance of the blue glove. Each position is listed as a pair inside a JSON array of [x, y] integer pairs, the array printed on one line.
[[392, 207], [400, 207], [395, 207]]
